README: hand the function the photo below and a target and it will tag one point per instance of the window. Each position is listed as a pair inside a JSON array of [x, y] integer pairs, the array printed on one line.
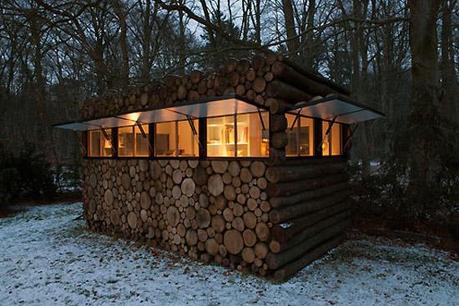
[[300, 135], [176, 139], [98, 144], [131, 141], [331, 144], [251, 132], [220, 136]]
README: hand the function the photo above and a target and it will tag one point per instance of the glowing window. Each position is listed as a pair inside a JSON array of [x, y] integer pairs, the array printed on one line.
[[131, 141], [245, 135], [331, 144], [100, 144], [188, 142], [300, 135], [177, 138]]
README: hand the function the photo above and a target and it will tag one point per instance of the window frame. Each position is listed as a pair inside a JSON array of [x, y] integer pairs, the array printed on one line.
[[297, 136], [330, 136], [134, 143], [87, 138], [176, 156], [235, 115]]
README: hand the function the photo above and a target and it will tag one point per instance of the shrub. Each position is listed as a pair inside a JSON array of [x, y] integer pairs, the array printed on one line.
[[26, 175]]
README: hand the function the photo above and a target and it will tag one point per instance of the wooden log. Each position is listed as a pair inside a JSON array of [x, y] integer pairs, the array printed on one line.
[[229, 193], [248, 255], [278, 123], [257, 168], [172, 216], [219, 166], [145, 200], [233, 242], [286, 174], [278, 202], [215, 185], [281, 90], [261, 250], [132, 220], [234, 168], [245, 175], [290, 269], [269, 76], [242, 66], [277, 246], [212, 247], [289, 188], [203, 218], [277, 216], [233, 79], [200, 176], [275, 261], [218, 223], [193, 95], [240, 90], [238, 224], [262, 231], [250, 220], [259, 85], [290, 75], [318, 78], [279, 140], [258, 61], [191, 237], [182, 92], [195, 76], [188, 187], [276, 106], [285, 232], [251, 75], [249, 237]]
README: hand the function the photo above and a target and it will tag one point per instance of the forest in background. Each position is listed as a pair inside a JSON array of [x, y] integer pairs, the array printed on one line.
[[399, 57]]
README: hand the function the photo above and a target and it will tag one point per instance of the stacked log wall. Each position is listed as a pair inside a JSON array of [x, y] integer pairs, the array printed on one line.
[[214, 211], [309, 214]]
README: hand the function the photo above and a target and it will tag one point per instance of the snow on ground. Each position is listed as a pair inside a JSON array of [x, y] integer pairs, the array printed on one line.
[[48, 258]]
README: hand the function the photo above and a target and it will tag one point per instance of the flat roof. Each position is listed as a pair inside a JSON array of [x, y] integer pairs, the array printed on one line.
[[339, 108], [208, 107]]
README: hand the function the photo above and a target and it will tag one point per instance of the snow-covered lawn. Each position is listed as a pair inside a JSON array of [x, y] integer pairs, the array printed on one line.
[[48, 258]]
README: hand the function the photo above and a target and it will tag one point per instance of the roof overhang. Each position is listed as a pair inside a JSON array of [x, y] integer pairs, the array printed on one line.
[[209, 107], [339, 108]]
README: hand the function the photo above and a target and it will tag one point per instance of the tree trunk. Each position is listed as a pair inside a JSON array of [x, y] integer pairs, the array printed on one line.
[[425, 137], [293, 40]]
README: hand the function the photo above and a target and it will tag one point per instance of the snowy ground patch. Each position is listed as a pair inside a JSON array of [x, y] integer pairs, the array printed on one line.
[[48, 258]]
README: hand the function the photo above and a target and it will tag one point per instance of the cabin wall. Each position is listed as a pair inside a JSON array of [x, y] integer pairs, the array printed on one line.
[[212, 211], [246, 214]]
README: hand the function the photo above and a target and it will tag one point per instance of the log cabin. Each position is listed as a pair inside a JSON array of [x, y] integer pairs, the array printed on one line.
[[243, 166]]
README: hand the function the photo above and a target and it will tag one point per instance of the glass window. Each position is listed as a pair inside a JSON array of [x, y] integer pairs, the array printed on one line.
[[306, 137], [292, 136], [166, 139], [131, 142], [176, 139], [300, 136], [187, 141], [141, 141], [99, 145], [252, 140], [125, 141], [331, 144], [220, 136]]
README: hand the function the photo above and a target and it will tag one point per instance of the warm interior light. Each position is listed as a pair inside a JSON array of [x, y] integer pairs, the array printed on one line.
[[132, 116]]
